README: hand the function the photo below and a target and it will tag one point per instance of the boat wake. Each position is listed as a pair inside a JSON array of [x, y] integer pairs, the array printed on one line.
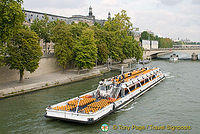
[[127, 108], [168, 75]]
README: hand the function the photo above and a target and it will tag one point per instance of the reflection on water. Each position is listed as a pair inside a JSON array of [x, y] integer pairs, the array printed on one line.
[[175, 101]]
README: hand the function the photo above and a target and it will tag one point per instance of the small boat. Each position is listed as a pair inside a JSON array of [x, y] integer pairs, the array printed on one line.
[[111, 94], [173, 58], [144, 61]]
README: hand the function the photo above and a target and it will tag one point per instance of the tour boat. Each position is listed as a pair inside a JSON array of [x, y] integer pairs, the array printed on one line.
[[173, 58], [110, 95]]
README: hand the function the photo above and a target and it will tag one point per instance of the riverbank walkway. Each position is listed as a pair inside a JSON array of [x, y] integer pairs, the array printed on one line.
[[49, 80], [12, 88]]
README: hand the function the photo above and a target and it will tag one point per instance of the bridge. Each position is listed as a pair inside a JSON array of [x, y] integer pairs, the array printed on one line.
[[154, 53]]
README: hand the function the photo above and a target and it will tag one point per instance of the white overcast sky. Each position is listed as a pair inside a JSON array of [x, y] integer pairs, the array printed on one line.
[[167, 18]]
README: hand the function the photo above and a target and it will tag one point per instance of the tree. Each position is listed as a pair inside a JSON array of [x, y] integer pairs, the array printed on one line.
[[11, 18], [62, 37], [138, 54], [129, 47], [165, 43], [43, 29], [85, 50], [119, 38], [100, 40], [147, 36], [23, 52], [76, 29]]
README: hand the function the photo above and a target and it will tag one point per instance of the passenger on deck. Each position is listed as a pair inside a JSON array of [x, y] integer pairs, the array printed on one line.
[[98, 94], [120, 78], [123, 76]]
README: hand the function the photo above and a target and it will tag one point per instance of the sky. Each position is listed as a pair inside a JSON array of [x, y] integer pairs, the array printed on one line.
[[167, 18]]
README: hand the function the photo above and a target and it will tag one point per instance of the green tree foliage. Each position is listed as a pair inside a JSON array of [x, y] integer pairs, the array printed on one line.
[[162, 42], [85, 50], [23, 52], [119, 38], [147, 36], [129, 47], [81, 44], [11, 18], [138, 51], [63, 39], [100, 40], [43, 29], [76, 29], [165, 43]]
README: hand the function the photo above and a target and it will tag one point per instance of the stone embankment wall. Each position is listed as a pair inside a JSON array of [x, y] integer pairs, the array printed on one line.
[[47, 65]]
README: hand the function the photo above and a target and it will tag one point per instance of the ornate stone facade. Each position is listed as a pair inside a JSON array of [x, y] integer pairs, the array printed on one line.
[[90, 19]]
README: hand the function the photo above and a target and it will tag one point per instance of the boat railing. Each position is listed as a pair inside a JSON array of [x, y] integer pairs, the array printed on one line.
[[83, 114]]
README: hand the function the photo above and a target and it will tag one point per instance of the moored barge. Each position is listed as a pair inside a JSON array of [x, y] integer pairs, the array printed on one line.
[[111, 94]]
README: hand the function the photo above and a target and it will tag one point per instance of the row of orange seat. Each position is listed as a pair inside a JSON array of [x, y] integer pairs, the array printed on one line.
[[71, 105], [65, 107], [127, 76], [137, 73], [95, 106], [83, 101], [88, 110]]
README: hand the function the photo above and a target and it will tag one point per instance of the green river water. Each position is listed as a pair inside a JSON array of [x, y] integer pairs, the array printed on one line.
[[173, 102]]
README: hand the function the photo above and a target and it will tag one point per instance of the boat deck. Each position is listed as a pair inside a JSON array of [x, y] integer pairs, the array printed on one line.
[[86, 105], [89, 104]]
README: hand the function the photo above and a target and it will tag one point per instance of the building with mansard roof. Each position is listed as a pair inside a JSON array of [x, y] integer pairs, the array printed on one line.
[[90, 19]]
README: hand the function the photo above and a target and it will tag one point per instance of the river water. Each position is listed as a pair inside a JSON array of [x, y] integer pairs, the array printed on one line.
[[174, 102]]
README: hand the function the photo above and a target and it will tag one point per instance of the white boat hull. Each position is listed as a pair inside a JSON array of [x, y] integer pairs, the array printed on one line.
[[94, 117]]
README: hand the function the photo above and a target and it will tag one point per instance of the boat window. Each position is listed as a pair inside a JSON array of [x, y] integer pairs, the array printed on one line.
[[107, 87], [126, 91], [120, 93], [142, 82], [138, 85], [102, 88], [146, 80], [132, 88], [154, 76]]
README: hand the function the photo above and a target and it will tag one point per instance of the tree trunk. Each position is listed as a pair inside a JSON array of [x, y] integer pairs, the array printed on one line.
[[21, 72], [78, 71], [45, 48]]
